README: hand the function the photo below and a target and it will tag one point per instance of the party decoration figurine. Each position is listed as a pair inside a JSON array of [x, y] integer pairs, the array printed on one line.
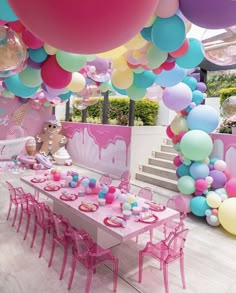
[[51, 139]]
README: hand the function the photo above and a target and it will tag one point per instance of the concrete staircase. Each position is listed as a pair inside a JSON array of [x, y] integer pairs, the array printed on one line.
[[160, 170]]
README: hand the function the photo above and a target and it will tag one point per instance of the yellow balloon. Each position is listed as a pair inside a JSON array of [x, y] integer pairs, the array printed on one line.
[[49, 49], [136, 42], [188, 26], [151, 21], [77, 83], [213, 199], [179, 124], [112, 54], [227, 215], [120, 63], [122, 79], [131, 198]]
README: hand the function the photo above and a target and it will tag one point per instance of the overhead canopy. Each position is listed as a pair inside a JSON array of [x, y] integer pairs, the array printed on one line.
[[209, 66]]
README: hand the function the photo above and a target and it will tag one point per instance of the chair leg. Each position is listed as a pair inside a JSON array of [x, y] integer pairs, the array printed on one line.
[[151, 235], [89, 281], [136, 239], [20, 220], [115, 273], [52, 253], [27, 226], [165, 274], [73, 265], [34, 234], [182, 271], [9, 210], [64, 262], [42, 243], [140, 273], [15, 214]]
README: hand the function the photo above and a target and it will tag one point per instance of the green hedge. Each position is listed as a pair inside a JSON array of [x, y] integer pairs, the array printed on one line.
[[216, 82], [225, 93], [145, 110]]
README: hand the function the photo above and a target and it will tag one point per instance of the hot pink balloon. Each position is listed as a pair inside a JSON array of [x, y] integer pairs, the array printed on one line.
[[87, 27], [167, 8], [31, 40]]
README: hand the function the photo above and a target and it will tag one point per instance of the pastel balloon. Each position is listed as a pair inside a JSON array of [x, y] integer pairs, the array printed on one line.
[[155, 57], [183, 170], [219, 179], [181, 50], [49, 49], [186, 184], [209, 13], [191, 82], [203, 117], [196, 145], [198, 206], [199, 170], [178, 124], [6, 12], [77, 82], [162, 33], [78, 27], [230, 187], [201, 86], [197, 97], [213, 221], [31, 40], [213, 199], [122, 79], [30, 77], [135, 93], [227, 215], [201, 184], [144, 79], [69, 61], [171, 77], [167, 8], [177, 97], [38, 55]]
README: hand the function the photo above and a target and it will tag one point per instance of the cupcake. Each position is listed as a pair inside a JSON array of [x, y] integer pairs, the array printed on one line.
[[61, 156], [30, 147]]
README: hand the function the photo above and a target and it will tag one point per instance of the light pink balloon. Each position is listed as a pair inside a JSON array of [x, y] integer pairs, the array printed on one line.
[[167, 8]]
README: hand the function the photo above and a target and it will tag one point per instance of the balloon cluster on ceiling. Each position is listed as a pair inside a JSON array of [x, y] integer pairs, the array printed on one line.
[[138, 48]]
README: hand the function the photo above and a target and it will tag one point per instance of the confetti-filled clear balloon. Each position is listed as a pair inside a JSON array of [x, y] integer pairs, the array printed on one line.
[[228, 107], [13, 53], [90, 94]]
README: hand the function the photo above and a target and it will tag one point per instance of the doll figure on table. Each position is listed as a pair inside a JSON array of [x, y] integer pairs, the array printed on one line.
[[51, 139]]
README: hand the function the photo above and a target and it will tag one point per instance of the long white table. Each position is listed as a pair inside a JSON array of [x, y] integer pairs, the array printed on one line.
[[93, 222]]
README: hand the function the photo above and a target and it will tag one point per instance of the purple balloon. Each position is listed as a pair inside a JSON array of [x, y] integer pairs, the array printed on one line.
[[212, 14], [201, 87], [33, 64], [219, 179], [102, 65]]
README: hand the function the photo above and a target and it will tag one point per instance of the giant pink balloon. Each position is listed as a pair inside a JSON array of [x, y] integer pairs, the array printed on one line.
[[212, 14], [89, 26]]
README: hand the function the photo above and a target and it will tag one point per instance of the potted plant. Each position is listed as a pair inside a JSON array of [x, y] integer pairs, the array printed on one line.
[[228, 125]]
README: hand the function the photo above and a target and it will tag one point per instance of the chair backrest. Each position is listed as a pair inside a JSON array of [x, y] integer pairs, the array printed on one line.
[[14, 191], [125, 176], [82, 243], [62, 226], [43, 212], [124, 186], [105, 179], [179, 203], [177, 242], [146, 193]]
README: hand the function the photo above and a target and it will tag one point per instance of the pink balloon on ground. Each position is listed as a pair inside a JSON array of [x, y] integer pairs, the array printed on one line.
[[167, 8], [230, 187]]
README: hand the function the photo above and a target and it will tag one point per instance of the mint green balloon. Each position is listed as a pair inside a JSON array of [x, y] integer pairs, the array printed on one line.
[[186, 185], [196, 145], [70, 61], [30, 77], [135, 93], [155, 57]]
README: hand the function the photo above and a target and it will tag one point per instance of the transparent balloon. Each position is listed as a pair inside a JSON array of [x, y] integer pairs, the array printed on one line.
[[13, 52], [228, 107], [90, 95]]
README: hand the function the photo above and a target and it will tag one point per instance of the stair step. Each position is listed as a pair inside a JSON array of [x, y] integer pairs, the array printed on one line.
[[158, 181], [162, 163], [164, 155], [168, 149], [167, 141], [160, 171]]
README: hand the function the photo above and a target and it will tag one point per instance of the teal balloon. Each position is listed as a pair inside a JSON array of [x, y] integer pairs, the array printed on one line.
[[168, 34], [135, 93], [171, 77], [38, 55], [213, 160], [6, 13], [119, 91], [196, 145], [191, 82], [198, 206], [197, 97], [14, 84], [186, 184], [183, 170], [138, 69], [146, 33], [65, 96], [203, 117], [70, 61], [144, 79], [194, 55], [30, 77]]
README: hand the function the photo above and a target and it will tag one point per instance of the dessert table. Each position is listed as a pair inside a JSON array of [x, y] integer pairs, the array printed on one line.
[[96, 222]]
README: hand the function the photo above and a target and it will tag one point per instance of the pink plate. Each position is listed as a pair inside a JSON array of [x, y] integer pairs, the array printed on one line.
[[38, 180], [109, 223], [157, 207], [150, 220], [84, 208], [70, 197], [52, 188]]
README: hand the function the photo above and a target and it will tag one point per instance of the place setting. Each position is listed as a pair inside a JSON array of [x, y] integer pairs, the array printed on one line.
[[66, 196], [115, 221], [52, 187], [38, 180], [147, 217], [87, 206]]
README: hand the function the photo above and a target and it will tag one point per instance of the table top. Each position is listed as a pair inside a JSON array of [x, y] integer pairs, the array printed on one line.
[[133, 227]]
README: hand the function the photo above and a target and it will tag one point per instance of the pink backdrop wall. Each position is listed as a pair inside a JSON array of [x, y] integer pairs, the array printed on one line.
[[225, 149], [104, 148], [17, 117]]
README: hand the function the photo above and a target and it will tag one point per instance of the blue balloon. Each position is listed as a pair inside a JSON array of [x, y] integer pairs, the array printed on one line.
[[197, 97], [119, 91], [183, 170], [199, 170], [191, 82], [14, 84], [203, 117], [168, 34], [144, 79], [194, 55], [6, 13], [65, 96], [198, 206], [146, 33], [171, 77], [38, 55]]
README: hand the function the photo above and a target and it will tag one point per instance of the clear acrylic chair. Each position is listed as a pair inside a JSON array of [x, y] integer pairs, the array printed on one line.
[[124, 186], [146, 193], [125, 176], [105, 179], [62, 236], [90, 254], [43, 220], [166, 251], [17, 197]]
